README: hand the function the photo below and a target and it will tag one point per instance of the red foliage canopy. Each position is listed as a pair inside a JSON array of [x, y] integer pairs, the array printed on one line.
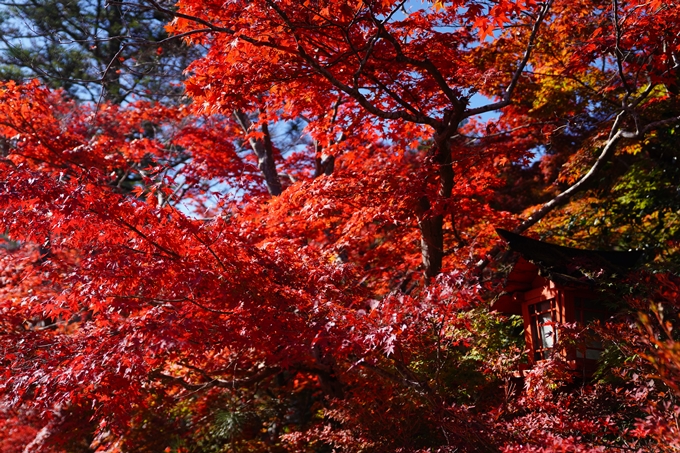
[[180, 277]]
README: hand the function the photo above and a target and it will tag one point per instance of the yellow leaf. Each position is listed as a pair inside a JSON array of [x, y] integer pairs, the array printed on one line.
[[633, 149]]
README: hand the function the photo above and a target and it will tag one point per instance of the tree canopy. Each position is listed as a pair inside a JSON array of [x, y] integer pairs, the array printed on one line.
[[300, 255]]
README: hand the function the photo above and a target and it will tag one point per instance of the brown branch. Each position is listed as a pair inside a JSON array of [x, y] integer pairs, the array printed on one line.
[[325, 166], [425, 64], [470, 139], [353, 92], [214, 382], [263, 149], [620, 58], [615, 136], [167, 252], [507, 96], [299, 52], [607, 152], [160, 301]]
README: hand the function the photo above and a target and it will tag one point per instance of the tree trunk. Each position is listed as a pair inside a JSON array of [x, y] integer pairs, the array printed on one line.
[[431, 222], [264, 152]]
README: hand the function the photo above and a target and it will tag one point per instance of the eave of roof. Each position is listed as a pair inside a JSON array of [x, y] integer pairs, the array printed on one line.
[[552, 256], [566, 266]]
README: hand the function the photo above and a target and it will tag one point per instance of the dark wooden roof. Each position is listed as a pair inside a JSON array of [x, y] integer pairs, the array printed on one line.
[[557, 256], [567, 266]]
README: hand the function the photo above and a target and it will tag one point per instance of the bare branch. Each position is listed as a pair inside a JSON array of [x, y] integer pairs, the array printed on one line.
[[615, 136], [607, 152], [507, 96]]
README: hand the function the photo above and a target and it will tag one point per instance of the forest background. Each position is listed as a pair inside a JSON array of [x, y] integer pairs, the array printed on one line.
[[269, 225]]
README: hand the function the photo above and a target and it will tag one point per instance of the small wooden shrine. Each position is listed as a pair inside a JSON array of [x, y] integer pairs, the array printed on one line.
[[550, 285]]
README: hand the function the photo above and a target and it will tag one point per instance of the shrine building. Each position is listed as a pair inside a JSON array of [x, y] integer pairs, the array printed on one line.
[[551, 285]]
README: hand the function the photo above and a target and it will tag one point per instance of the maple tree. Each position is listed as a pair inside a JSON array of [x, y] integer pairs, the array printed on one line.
[[302, 258]]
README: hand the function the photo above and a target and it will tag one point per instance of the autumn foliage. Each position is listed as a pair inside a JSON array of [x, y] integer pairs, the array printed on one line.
[[301, 256]]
